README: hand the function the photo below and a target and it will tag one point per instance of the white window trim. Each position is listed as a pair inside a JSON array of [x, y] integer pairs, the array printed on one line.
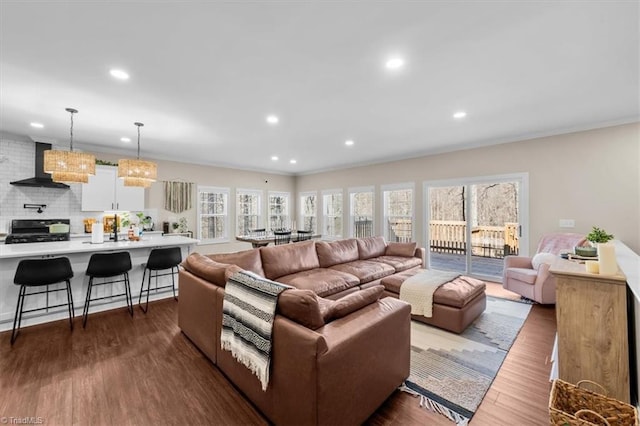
[[383, 205], [300, 208], [356, 190], [242, 191], [221, 190], [268, 204], [332, 192]]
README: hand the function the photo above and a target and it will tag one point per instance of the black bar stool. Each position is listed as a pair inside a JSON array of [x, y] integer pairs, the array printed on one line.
[[160, 259], [38, 273], [108, 265]]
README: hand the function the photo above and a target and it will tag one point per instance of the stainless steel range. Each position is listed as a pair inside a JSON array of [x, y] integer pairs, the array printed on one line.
[[38, 231]]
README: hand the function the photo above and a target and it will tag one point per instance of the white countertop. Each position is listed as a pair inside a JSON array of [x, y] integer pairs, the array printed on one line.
[[77, 246]]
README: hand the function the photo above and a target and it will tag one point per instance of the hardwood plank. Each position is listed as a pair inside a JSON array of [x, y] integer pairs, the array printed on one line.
[[143, 370]]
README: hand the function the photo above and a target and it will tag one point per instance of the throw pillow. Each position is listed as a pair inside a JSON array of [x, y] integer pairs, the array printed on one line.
[[302, 307], [352, 302], [541, 258], [401, 249]]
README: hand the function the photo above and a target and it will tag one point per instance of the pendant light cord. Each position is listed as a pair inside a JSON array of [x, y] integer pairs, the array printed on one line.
[[139, 125], [71, 111]]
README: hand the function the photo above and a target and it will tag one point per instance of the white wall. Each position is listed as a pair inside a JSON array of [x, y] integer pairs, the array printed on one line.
[[592, 177]]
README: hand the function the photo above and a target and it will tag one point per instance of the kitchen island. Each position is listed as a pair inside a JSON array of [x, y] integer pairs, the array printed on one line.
[[79, 252]]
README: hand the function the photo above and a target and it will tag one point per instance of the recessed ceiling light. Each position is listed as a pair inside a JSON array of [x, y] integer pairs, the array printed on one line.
[[119, 74], [293, 161], [349, 142], [272, 119], [394, 63], [274, 158], [125, 139], [460, 114], [37, 125]]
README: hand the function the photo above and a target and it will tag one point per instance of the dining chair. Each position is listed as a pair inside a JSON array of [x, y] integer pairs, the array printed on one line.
[[282, 237], [303, 236]]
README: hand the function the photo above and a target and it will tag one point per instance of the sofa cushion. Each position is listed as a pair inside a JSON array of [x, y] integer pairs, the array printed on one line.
[[323, 282], [365, 270], [352, 302], [525, 275], [371, 247], [302, 307], [287, 259], [336, 252], [400, 263], [205, 268], [400, 249], [247, 259], [459, 291]]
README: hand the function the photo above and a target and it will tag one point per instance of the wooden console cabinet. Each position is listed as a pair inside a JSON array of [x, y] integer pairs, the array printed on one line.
[[591, 312]]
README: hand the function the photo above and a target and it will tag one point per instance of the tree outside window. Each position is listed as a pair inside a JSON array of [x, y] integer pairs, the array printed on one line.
[[361, 212], [332, 214], [213, 216], [248, 210], [308, 209], [278, 210], [398, 214]]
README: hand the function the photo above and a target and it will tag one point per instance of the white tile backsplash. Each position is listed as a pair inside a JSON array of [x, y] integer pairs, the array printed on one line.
[[17, 161]]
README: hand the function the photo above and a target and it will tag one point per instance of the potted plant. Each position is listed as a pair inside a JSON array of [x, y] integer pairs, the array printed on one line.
[[174, 226], [598, 235]]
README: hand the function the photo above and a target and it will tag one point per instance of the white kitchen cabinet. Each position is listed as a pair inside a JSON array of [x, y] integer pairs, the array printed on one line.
[[105, 191]]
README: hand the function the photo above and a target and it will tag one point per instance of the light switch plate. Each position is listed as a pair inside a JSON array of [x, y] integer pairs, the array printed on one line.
[[567, 223]]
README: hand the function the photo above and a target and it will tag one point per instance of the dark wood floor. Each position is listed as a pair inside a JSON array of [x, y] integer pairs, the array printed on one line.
[[145, 371]]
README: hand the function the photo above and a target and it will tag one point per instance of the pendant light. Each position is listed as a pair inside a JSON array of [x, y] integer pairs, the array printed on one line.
[[69, 166], [137, 172]]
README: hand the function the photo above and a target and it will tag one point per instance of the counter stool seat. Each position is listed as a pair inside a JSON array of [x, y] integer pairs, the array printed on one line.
[[108, 265], [160, 259], [42, 273]]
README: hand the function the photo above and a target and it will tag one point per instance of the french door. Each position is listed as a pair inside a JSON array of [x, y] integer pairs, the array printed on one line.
[[473, 223]]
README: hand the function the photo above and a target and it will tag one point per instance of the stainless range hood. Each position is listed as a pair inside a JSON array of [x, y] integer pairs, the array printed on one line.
[[41, 179]]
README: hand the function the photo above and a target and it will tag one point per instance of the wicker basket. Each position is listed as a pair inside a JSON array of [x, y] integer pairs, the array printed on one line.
[[572, 405]]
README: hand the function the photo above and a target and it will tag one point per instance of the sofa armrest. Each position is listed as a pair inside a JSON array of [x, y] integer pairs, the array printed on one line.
[[367, 358], [196, 315], [545, 286], [517, 262], [420, 253]]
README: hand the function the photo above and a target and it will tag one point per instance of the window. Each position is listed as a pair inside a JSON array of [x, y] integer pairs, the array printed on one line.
[[248, 210], [278, 210], [361, 212], [213, 217], [308, 211], [398, 212], [332, 213]]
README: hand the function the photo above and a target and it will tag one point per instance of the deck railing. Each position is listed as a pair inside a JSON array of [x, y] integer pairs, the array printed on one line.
[[486, 241], [362, 227], [400, 229]]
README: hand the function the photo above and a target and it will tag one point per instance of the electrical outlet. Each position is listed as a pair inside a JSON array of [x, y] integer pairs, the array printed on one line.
[[567, 223]]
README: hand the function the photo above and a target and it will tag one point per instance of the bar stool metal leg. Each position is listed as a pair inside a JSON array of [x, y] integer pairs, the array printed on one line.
[[127, 289], [85, 311], [70, 304], [18, 317]]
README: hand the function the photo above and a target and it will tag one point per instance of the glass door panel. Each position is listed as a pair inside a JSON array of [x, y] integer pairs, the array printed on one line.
[[448, 228], [494, 214]]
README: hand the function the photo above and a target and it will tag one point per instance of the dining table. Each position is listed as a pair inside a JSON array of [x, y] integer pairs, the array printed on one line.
[[258, 241]]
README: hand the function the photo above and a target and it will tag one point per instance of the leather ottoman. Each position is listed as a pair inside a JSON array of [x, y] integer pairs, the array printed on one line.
[[455, 304]]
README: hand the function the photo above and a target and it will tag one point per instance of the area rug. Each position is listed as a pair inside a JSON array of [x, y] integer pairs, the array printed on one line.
[[452, 372]]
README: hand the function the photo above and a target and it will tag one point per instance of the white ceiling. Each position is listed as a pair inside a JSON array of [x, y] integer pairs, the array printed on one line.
[[204, 75]]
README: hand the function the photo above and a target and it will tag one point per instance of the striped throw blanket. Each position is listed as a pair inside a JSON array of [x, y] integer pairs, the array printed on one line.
[[248, 310], [418, 290]]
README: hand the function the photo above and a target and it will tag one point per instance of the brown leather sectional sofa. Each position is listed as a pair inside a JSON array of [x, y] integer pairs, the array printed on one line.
[[338, 350]]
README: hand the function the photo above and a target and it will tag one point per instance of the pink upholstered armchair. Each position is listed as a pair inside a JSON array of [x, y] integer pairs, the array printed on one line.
[[529, 276]]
